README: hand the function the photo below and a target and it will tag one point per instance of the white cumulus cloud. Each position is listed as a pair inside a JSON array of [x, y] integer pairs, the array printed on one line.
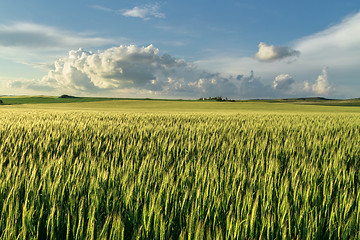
[[270, 53], [117, 67], [283, 82], [322, 85]]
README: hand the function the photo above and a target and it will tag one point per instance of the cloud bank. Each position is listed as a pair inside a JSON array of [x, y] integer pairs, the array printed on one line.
[[142, 71], [269, 53]]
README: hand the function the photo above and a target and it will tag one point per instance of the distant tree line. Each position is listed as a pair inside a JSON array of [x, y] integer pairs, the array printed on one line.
[[67, 96], [1, 102], [218, 99]]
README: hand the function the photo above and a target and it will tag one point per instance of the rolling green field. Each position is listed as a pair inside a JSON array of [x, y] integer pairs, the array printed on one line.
[[145, 169]]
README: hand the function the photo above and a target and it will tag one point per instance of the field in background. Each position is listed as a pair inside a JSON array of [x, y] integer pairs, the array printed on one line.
[[70, 99], [179, 169], [161, 105]]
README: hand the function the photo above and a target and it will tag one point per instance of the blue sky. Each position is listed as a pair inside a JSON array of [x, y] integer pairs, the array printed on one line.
[[180, 49]]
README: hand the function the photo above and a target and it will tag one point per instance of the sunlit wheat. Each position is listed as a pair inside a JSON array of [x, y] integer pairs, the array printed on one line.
[[191, 176]]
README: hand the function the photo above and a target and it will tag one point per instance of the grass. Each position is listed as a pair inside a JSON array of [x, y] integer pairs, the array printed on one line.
[[137, 169]]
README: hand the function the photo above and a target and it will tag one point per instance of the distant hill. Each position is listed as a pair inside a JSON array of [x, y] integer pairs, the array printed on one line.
[[309, 99], [315, 101]]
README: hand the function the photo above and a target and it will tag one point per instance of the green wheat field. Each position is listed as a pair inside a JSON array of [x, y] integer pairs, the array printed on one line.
[[152, 169]]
